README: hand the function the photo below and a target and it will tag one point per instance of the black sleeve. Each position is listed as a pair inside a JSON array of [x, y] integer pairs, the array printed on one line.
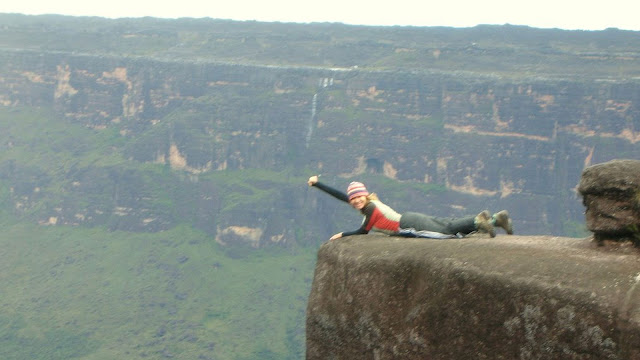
[[360, 231], [331, 191], [367, 212]]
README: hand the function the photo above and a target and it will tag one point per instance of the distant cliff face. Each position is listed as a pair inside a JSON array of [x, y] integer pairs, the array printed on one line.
[[510, 297], [491, 142]]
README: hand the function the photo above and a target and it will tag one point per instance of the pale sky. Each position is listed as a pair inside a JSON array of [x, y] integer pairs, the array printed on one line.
[[563, 14]]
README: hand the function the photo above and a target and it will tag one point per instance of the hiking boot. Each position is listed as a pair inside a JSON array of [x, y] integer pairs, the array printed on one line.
[[502, 219], [484, 224]]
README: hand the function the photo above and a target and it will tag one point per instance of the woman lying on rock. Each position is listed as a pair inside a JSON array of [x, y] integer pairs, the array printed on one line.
[[382, 218]]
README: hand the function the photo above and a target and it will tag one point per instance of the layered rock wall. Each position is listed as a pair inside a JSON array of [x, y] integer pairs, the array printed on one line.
[[491, 142]]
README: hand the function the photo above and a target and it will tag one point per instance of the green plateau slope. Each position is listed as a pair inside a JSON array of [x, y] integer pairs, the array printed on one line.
[[74, 293]]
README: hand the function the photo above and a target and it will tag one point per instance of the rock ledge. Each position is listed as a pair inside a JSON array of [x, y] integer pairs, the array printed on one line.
[[511, 297]]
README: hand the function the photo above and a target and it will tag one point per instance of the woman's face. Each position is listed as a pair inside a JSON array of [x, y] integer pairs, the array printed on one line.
[[358, 202]]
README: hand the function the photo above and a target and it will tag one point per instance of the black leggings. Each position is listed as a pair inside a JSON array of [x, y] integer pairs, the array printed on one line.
[[450, 226]]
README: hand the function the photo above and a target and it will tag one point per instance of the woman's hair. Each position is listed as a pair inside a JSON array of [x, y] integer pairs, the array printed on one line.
[[372, 196]]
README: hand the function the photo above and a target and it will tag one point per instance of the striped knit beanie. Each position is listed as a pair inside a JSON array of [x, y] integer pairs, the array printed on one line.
[[356, 189]]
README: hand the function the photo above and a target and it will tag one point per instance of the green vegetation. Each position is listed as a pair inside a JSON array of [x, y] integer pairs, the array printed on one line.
[[19, 340], [92, 294], [102, 293]]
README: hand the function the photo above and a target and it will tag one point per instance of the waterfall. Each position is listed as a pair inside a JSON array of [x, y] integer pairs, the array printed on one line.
[[322, 83], [312, 118]]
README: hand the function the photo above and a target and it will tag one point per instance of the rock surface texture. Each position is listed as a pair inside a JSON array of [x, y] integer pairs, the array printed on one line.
[[510, 297], [611, 195]]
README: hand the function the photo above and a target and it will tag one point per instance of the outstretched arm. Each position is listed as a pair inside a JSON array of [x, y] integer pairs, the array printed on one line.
[[360, 231], [313, 181]]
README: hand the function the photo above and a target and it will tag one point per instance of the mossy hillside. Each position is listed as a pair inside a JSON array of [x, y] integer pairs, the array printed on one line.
[[50, 167], [93, 294]]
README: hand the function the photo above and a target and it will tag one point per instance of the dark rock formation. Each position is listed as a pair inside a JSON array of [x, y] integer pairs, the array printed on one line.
[[511, 297], [611, 195]]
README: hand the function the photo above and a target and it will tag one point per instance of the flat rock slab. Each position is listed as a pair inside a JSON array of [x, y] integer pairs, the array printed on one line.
[[510, 297]]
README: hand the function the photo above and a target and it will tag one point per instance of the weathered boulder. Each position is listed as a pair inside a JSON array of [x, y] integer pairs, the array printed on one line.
[[510, 297], [611, 195]]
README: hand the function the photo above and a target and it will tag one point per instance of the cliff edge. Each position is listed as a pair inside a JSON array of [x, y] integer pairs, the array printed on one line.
[[510, 297]]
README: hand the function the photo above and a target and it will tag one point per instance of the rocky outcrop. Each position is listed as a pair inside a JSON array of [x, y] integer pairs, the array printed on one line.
[[511, 297], [611, 195]]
